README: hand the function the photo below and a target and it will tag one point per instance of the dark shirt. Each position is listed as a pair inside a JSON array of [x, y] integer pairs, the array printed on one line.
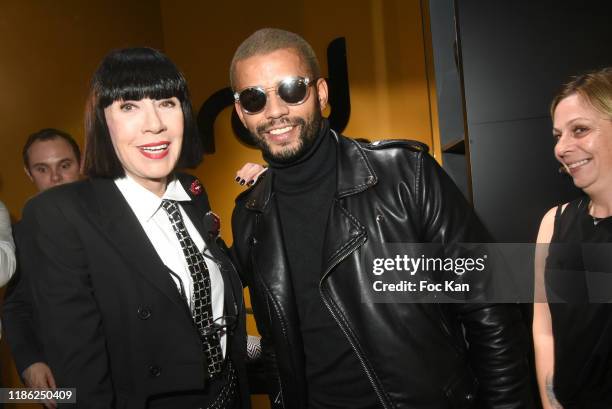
[[579, 291], [304, 193]]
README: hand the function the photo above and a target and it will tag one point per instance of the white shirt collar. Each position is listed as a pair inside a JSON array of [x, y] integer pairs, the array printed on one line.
[[145, 203]]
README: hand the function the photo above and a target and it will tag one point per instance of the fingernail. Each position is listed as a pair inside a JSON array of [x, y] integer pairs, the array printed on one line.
[[237, 178], [250, 182], [242, 182]]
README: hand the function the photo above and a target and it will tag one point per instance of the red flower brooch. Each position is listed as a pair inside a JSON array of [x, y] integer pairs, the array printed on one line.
[[196, 187]]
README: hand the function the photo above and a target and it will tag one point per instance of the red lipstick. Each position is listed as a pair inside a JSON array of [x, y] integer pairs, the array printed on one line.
[[155, 150]]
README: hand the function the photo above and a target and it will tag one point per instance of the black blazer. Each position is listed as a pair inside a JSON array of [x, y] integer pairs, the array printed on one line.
[[17, 320], [112, 321]]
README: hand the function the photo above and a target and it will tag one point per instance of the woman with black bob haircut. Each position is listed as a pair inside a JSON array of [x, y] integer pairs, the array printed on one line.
[[138, 304], [133, 74]]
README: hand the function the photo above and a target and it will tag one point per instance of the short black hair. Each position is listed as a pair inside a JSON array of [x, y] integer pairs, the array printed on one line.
[[48, 134], [134, 74]]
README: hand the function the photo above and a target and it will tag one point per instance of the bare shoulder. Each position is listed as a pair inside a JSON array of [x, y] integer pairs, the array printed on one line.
[[547, 225]]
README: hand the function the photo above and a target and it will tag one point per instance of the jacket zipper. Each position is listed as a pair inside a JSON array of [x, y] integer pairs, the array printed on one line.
[[278, 399], [326, 302]]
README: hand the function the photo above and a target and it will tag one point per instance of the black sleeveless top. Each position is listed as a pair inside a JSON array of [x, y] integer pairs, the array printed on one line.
[[579, 292]]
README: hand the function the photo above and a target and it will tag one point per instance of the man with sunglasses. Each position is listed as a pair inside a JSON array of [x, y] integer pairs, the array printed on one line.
[[302, 232]]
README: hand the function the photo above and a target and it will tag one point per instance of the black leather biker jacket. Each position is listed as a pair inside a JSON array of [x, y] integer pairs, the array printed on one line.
[[416, 355]]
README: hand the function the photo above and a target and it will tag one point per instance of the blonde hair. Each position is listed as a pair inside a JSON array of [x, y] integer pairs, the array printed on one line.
[[595, 87], [267, 40]]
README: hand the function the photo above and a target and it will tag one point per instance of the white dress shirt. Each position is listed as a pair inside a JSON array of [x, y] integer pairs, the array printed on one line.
[[7, 247], [156, 224], [8, 261]]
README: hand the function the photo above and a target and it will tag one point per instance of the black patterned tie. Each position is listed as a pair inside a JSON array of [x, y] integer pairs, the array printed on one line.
[[202, 294]]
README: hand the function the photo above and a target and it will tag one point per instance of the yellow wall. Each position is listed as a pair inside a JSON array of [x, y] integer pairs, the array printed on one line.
[[48, 52], [50, 49]]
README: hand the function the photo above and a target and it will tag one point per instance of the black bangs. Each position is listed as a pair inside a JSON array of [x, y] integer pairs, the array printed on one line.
[[137, 73], [134, 74]]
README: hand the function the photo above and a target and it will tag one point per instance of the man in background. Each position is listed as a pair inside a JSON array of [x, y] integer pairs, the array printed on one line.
[[51, 157]]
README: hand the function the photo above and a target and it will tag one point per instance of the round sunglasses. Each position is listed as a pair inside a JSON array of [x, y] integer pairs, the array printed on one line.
[[292, 90]]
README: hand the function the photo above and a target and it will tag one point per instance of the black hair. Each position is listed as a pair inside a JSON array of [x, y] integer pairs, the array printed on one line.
[[134, 74], [48, 134]]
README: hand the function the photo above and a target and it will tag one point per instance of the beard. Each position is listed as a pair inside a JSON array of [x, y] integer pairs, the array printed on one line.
[[309, 130]]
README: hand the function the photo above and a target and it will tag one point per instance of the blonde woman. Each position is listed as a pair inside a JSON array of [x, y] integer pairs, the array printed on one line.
[[573, 330]]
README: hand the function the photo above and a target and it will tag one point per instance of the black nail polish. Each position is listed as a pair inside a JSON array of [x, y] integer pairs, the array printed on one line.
[[250, 183], [242, 182], [237, 178]]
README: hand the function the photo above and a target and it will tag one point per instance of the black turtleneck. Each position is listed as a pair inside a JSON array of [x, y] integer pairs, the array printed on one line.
[[304, 191]]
